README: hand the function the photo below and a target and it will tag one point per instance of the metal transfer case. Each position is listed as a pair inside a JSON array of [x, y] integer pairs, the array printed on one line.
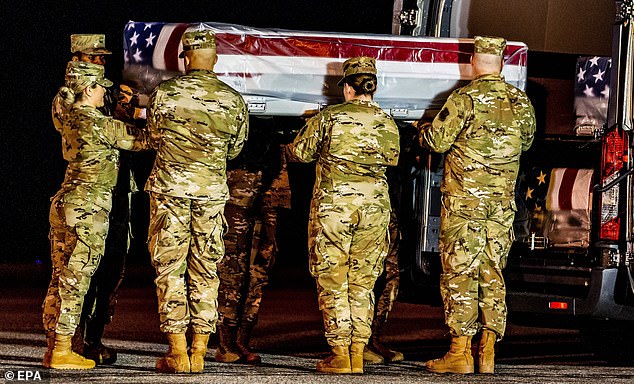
[[295, 73]]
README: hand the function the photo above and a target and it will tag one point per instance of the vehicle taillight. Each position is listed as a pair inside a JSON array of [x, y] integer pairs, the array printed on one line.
[[614, 157]]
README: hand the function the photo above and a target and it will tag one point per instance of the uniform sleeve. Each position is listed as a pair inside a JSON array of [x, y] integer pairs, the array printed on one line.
[[57, 112], [154, 118], [527, 125], [123, 136], [447, 125], [242, 131], [308, 142]]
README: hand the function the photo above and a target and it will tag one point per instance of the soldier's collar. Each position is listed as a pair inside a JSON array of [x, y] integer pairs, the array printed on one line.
[[490, 76], [366, 102], [207, 71]]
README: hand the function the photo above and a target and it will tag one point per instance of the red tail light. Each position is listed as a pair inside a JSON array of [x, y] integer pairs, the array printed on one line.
[[614, 157]]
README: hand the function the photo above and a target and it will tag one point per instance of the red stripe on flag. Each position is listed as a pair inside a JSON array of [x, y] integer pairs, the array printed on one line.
[[566, 187], [342, 47], [170, 55]]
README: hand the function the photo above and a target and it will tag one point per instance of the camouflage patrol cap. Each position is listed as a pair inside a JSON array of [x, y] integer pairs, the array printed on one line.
[[89, 44], [80, 75], [358, 65], [201, 39], [489, 45]]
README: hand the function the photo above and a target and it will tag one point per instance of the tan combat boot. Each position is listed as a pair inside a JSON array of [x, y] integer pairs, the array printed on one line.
[[376, 352], [243, 342], [198, 351], [227, 351], [337, 362], [486, 352], [176, 359], [457, 360], [356, 357], [62, 356], [50, 344]]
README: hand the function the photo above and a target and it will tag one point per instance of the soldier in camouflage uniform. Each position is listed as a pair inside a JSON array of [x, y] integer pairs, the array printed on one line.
[[80, 210], [386, 288], [100, 300], [353, 143], [196, 123], [484, 127], [258, 187]]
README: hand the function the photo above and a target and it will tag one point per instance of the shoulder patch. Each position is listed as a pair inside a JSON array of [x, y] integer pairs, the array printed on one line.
[[443, 114]]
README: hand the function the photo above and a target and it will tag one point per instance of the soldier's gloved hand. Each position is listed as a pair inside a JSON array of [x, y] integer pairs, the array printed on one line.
[[126, 94]]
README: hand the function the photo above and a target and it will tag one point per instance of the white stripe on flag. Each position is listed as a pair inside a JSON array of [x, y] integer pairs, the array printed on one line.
[[158, 57]]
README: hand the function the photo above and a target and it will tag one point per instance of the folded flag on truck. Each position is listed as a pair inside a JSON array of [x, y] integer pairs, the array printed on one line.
[[592, 92], [569, 202], [555, 205], [569, 188], [279, 67]]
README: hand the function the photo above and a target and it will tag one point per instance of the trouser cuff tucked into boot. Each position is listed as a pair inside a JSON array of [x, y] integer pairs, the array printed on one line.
[[243, 343], [50, 345], [227, 351]]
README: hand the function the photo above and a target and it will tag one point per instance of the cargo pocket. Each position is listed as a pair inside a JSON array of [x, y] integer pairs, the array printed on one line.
[[215, 245], [155, 229], [463, 235], [506, 241]]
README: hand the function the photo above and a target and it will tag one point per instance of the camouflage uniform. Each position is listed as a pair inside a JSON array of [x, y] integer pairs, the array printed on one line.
[[258, 186], [79, 211], [100, 300], [353, 144], [484, 126], [196, 122]]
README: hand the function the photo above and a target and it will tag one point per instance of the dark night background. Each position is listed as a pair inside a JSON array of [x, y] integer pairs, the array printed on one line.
[[35, 40], [35, 46]]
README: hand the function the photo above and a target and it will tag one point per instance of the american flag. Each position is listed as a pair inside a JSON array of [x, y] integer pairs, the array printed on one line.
[[592, 92], [154, 44], [414, 73], [558, 201], [569, 189]]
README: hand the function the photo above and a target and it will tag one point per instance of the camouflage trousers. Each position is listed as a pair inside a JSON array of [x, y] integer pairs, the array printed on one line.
[[185, 243], [250, 254], [347, 247], [250, 243], [386, 288], [77, 238], [101, 298], [475, 239]]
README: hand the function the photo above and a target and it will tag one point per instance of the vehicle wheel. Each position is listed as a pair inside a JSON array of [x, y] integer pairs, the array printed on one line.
[[611, 341]]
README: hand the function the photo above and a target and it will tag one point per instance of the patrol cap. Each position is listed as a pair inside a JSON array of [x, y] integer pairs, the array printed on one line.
[[200, 39], [80, 75], [89, 44], [358, 65], [489, 45]]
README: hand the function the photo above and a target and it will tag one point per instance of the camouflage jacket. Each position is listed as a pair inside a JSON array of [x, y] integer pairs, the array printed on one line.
[[91, 144], [58, 112], [484, 126], [353, 144], [196, 123]]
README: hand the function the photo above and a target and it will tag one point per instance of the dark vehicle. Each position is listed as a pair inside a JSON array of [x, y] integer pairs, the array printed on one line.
[[572, 264]]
